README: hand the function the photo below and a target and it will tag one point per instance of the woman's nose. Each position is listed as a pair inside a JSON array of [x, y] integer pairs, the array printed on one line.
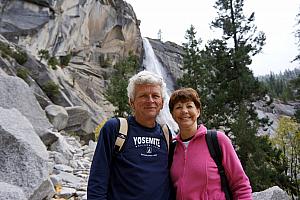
[[184, 110]]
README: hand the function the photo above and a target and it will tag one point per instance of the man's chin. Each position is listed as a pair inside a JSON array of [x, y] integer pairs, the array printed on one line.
[[151, 113]]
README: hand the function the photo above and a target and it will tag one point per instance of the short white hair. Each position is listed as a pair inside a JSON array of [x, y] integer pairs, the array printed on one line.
[[145, 77]]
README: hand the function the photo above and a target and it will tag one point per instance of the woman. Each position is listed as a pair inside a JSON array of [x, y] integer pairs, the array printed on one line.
[[194, 173]]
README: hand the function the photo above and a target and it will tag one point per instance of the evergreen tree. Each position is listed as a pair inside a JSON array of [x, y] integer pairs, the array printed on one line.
[[116, 91]]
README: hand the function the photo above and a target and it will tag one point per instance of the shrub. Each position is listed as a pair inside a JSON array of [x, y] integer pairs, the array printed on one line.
[[43, 54], [51, 89], [6, 50], [23, 73], [64, 60], [52, 62], [20, 57]]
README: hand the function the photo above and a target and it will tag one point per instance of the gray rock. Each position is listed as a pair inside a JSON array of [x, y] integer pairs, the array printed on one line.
[[66, 192], [62, 146], [23, 156], [71, 179], [80, 122], [63, 168], [57, 157], [58, 116], [273, 193], [15, 93], [9, 192], [56, 180]]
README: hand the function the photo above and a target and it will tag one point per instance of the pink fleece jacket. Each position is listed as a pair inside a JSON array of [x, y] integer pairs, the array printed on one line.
[[195, 175]]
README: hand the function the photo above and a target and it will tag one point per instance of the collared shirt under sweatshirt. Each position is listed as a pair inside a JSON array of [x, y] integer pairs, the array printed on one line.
[[139, 172], [195, 174]]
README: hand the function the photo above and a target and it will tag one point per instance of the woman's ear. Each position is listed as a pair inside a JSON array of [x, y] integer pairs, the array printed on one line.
[[199, 112]]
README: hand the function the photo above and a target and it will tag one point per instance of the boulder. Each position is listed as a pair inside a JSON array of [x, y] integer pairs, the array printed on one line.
[[15, 93], [8, 192], [58, 116], [23, 156], [273, 193], [80, 122]]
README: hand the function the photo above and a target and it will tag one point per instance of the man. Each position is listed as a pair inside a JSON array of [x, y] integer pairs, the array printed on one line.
[[140, 170]]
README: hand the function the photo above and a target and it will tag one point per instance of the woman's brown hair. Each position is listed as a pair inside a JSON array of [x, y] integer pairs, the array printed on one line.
[[183, 95]]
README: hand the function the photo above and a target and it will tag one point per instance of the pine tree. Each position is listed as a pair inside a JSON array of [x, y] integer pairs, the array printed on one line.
[[116, 91]]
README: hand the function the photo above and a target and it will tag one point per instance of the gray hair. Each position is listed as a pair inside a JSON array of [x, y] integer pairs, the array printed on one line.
[[145, 77]]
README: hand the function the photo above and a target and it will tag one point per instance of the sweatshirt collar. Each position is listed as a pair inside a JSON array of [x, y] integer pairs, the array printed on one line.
[[201, 130]]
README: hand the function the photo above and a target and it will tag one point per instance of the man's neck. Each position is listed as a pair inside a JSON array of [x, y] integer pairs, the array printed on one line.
[[149, 123]]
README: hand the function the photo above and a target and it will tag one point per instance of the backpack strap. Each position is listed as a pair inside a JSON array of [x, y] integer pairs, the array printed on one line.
[[166, 134], [216, 153], [122, 135]]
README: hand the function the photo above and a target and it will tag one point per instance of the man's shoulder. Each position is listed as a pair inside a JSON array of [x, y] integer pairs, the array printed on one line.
[[113, 121]]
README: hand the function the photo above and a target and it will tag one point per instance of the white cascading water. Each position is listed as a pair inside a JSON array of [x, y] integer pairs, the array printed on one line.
[[151, 63]]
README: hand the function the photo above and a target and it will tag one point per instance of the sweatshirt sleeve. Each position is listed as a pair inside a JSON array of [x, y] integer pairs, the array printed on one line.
[[100, 168], [238, 180]]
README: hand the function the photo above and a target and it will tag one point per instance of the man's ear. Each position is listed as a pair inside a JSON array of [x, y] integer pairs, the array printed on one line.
[[131, 104]]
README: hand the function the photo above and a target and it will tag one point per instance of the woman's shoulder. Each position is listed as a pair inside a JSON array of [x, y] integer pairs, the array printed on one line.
[[223, 138]]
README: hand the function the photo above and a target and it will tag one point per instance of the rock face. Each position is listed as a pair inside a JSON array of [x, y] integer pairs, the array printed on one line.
[[273, 112], [170, 55], [95, 28], [23, 156]]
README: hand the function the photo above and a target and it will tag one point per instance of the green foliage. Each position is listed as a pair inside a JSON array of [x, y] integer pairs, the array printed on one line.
[[295, 85], [297, 115], [52, 62], [44, 54], [287, 138], [64, 60], [266, 166], [20, 56], [116, 91], [51, 89], [23, 73], [284, 86], [5, 49], [263, 163]]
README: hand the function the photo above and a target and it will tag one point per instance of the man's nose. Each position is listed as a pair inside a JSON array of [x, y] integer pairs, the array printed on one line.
[[150, 98]]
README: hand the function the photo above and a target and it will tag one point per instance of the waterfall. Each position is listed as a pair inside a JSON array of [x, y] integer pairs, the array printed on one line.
[[151, 63]]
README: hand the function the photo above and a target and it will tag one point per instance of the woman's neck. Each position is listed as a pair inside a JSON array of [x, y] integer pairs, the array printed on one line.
[[189, 132]]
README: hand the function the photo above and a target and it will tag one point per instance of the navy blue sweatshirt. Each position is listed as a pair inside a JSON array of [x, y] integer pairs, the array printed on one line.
[[139, 172]]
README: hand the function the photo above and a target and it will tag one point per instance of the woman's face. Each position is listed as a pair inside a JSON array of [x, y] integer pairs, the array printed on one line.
[[185, 114]]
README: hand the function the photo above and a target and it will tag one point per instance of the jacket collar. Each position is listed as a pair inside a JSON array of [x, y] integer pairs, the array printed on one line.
[[201, 130]]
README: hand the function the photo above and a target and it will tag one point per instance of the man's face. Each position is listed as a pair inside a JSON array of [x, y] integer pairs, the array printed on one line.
[[147, 101]]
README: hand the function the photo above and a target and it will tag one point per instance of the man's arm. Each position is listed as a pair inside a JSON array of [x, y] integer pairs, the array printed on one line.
[[100, 168]]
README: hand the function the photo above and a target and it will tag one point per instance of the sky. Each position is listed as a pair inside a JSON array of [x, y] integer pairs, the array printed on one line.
[[276, 18]]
